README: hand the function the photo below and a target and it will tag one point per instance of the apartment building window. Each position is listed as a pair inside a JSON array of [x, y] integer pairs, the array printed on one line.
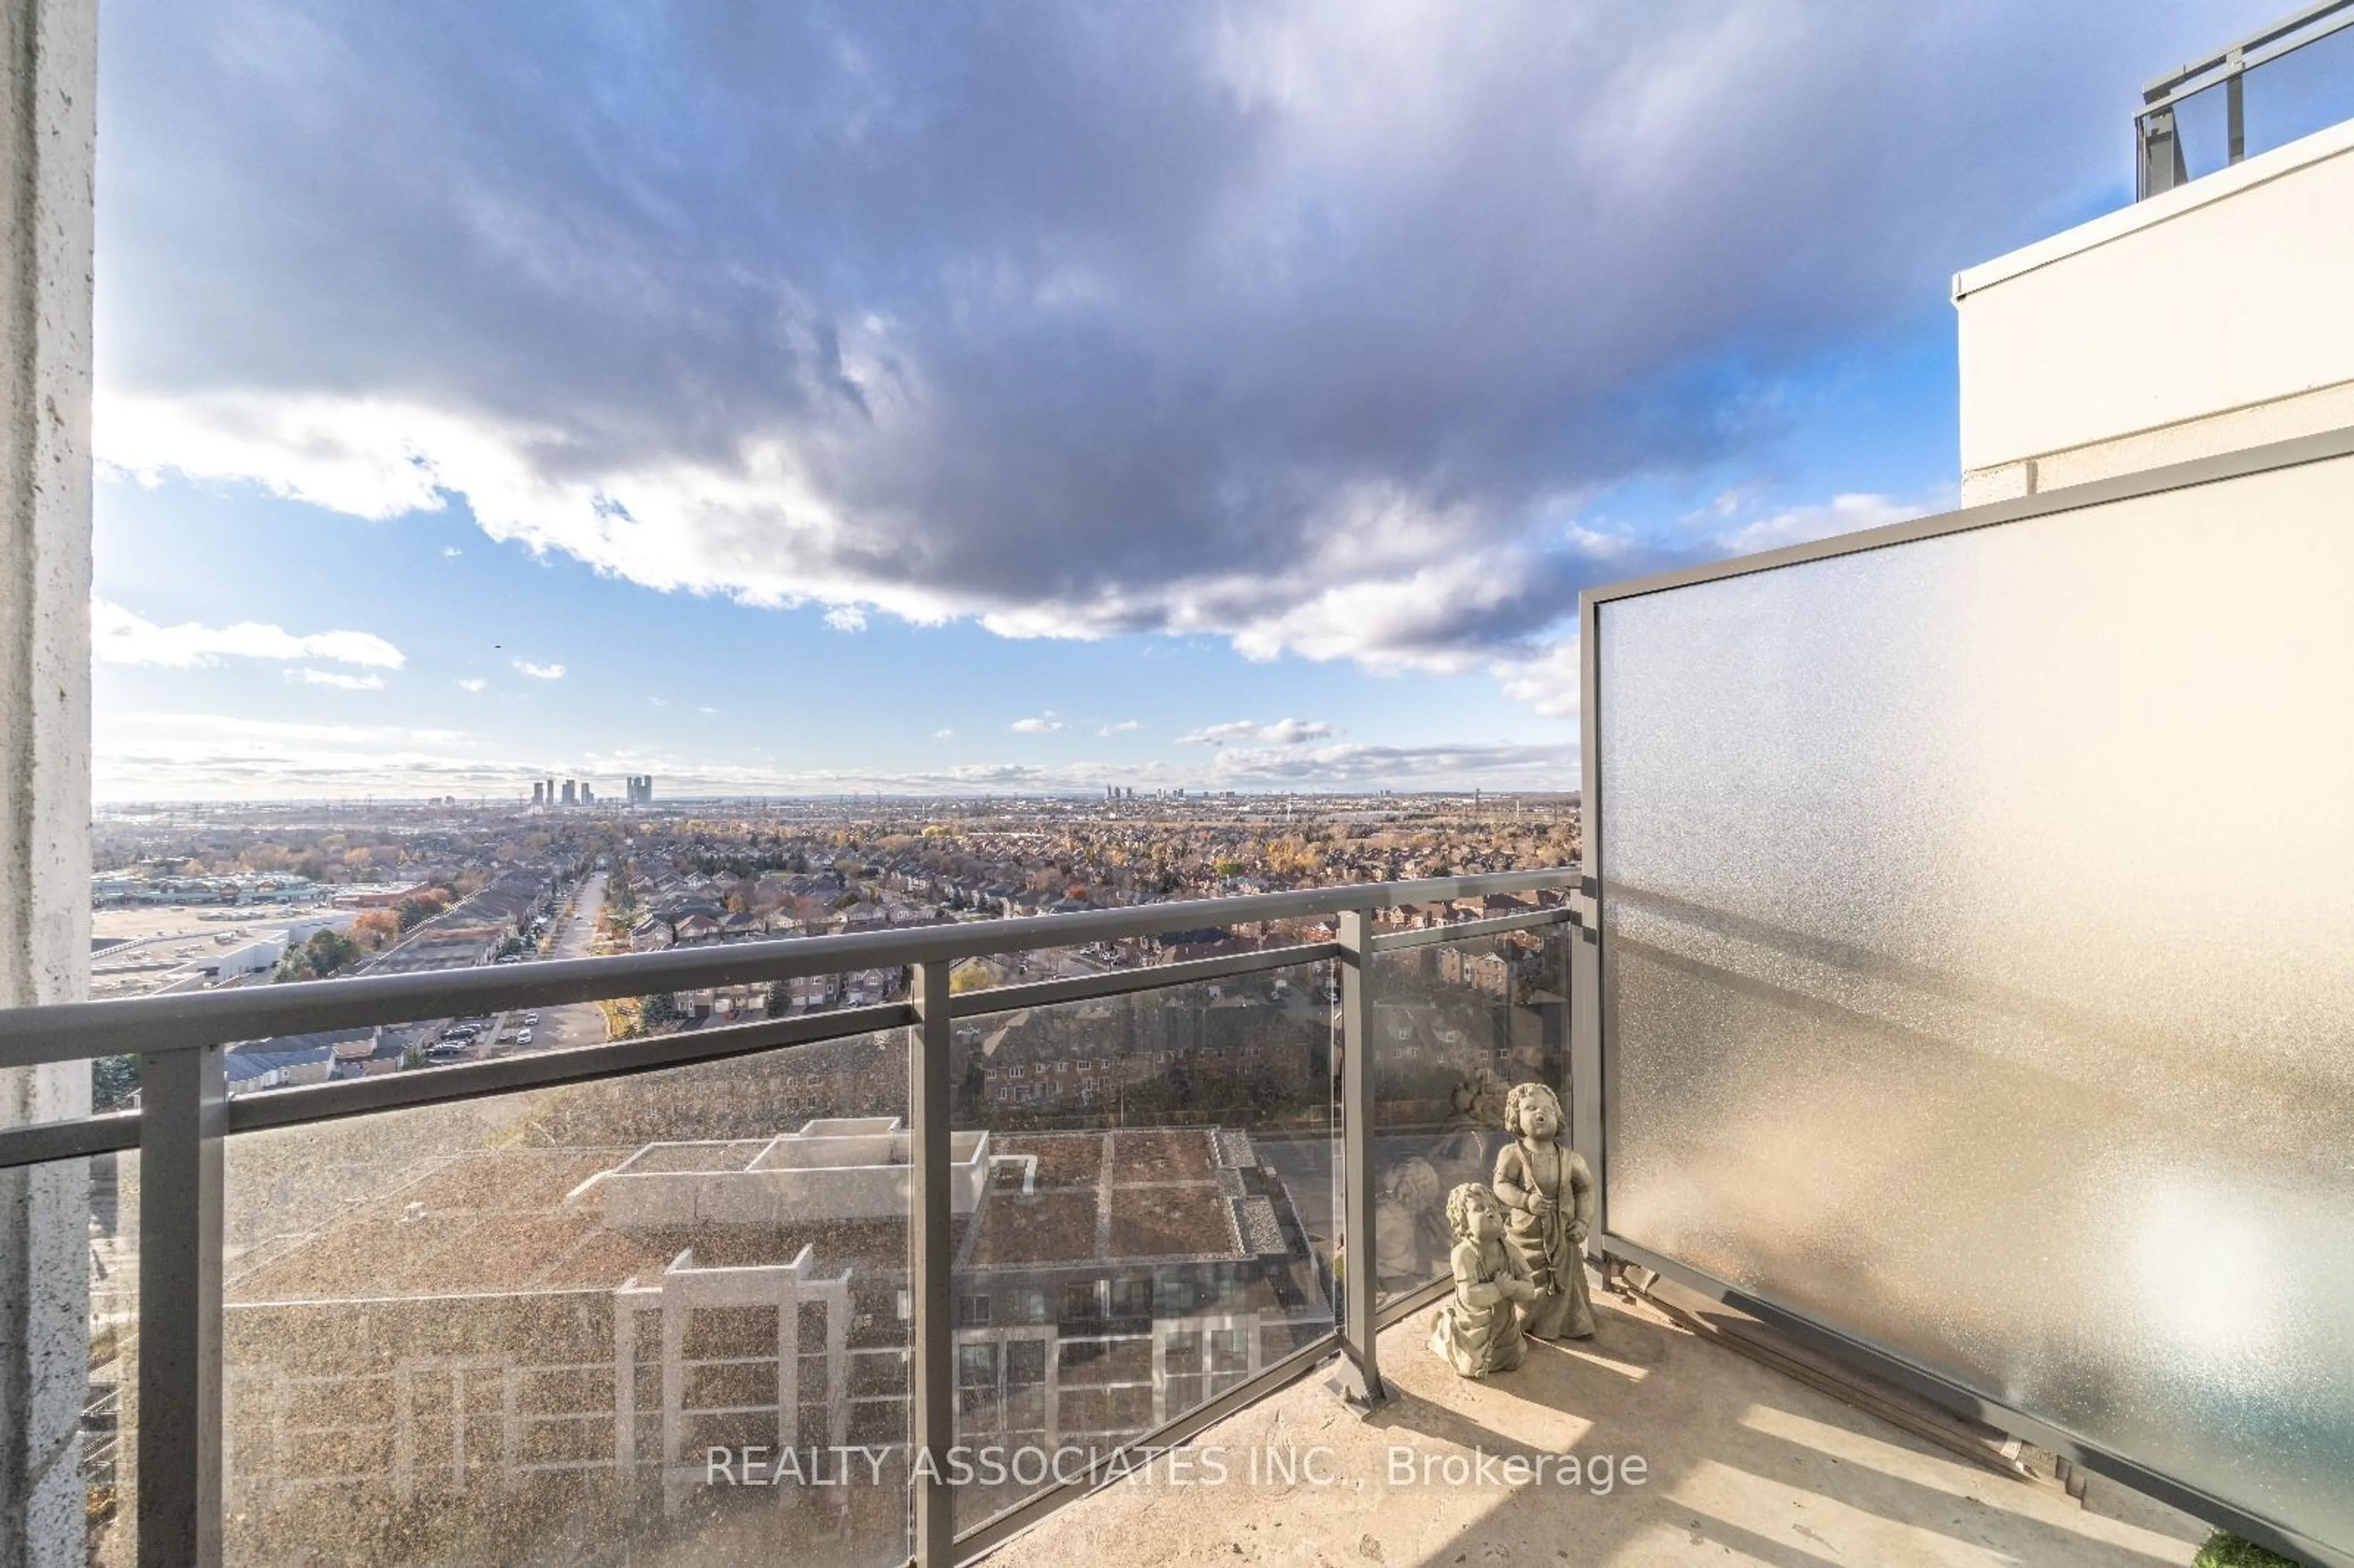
[[1083, 1299], [979, 1395], [972, 1311], [1025, 1380]]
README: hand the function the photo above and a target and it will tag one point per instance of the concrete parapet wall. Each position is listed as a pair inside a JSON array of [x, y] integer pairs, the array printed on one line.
[[2208, 319]]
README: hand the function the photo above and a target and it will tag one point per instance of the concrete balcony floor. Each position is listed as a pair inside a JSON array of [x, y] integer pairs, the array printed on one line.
[[1743, 1465]]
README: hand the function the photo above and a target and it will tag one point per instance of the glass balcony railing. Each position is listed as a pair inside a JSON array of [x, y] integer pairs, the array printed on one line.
[[2288, 80], [860, 1284]]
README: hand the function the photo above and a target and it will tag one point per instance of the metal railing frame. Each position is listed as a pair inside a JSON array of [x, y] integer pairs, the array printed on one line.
[[2158, 163], [185, 1116]]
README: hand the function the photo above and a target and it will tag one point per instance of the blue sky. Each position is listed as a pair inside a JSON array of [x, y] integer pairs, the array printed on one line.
[[820, 398]]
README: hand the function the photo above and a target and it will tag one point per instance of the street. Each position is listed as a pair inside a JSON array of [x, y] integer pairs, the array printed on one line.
[[581, 1022]]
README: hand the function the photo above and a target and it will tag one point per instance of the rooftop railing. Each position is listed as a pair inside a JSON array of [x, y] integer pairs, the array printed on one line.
[[2195, 120], [185, 1123]]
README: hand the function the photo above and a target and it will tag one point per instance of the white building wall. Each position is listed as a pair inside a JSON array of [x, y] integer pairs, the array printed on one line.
[[2215, 317]]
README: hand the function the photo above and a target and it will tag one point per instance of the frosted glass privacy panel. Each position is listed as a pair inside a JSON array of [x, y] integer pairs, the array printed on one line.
[[1980, 963]]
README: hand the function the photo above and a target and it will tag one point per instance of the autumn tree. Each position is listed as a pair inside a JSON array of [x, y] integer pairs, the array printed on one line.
[[375, 928]]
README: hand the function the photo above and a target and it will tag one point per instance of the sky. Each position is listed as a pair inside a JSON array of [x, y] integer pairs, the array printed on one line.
[[957, 398]]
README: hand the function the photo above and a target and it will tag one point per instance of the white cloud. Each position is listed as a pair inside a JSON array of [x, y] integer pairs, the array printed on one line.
[[238, 727], [472, 683], [707, 713], [332, 678], [1411, 767], [1548, 680], [1237, 732], [184, 757], [540, 672], [1045, 724], [1264, 405], [1798, 525], [942, 734], [1122, 728], [119, 636], [450, 552]]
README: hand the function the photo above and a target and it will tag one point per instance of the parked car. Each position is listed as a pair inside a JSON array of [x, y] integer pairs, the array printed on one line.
[[524, 1037], [531, 1018]]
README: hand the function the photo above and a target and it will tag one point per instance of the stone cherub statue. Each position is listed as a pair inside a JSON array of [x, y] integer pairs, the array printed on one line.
[[1409, 1228], [1479, 1331], [1465, 1149], [1550, 1191]]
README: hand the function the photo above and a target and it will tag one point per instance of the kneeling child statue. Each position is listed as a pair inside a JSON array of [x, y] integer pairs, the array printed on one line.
[[1479, 1331]]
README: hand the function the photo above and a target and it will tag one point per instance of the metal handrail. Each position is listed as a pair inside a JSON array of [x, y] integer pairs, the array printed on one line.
[[185, 1118], [149, 1026], [2158, 163], [2170, 88]]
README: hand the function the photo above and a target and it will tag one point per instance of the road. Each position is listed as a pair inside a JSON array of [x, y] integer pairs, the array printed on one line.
[[581, 1022], [553, 1028]]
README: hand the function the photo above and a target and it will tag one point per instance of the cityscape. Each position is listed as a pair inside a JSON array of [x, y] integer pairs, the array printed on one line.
[[621, 1279]]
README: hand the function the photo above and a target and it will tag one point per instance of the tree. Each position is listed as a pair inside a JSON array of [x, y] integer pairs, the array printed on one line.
[[658, 1011], [329, 951], [111, 1081], [375, 928], [971, 977], [780, 998], [412, 910]]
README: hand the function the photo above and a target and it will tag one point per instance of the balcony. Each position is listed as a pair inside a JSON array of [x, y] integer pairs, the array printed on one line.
[[514, 1308], [1952, 1005], [1874, 1008], [513, 1311]]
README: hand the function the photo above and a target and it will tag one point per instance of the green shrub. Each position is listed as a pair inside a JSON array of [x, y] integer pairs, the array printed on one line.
[[2227, 1550]]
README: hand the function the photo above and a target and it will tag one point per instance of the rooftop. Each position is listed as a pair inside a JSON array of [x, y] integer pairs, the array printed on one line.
[[542, 1219]]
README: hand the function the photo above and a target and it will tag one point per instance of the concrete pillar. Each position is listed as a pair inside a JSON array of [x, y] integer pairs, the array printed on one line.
[[49, 51]]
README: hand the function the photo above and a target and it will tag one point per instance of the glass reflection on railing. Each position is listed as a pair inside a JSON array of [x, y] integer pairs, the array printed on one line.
[[1455, 1026], [658, 1317], [1154, 1224]]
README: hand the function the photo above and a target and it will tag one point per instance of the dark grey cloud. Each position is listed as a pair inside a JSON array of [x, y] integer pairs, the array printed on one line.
[[1306, 324]]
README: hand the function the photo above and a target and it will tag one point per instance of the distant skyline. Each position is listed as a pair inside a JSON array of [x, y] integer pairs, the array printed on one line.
[[823, 399]]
